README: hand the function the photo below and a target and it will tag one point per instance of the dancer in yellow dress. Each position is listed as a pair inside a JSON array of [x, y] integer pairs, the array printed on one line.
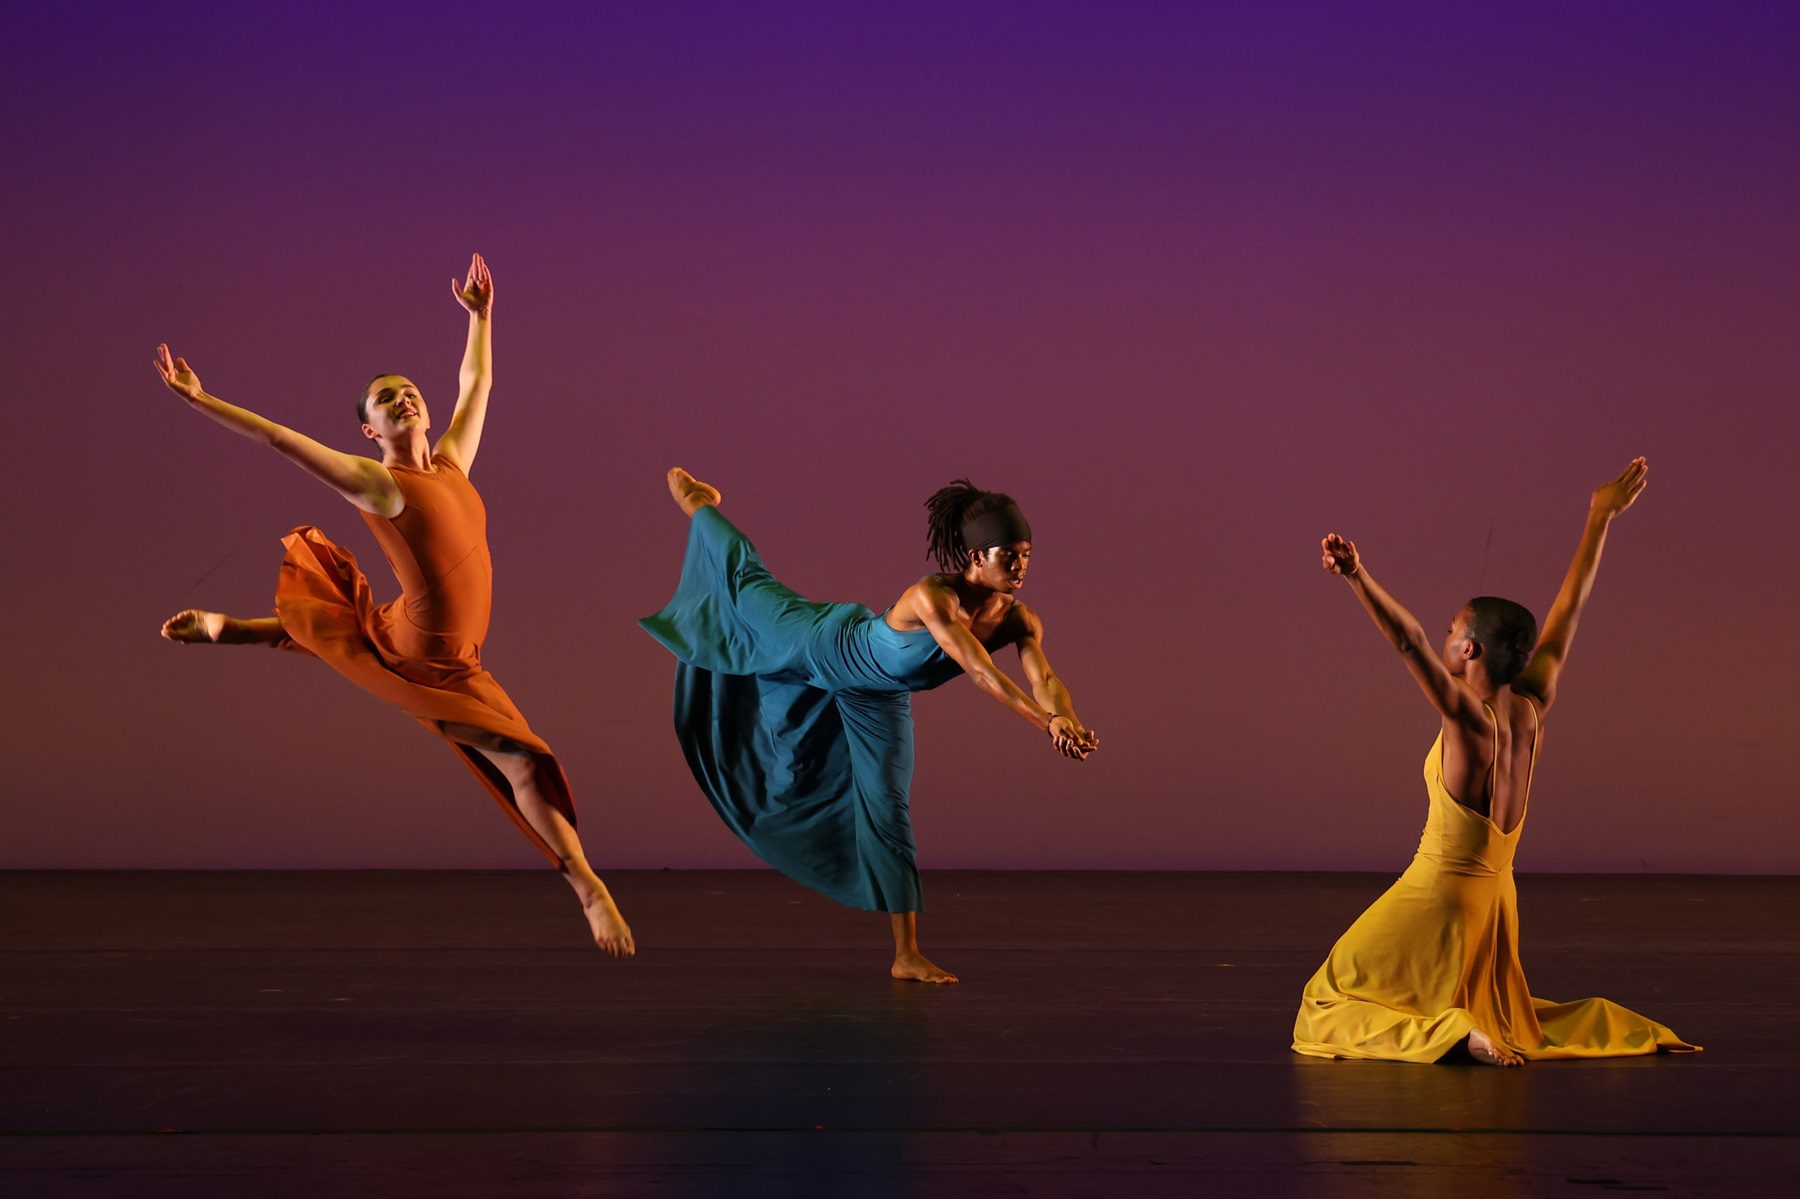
[[1432, 968]]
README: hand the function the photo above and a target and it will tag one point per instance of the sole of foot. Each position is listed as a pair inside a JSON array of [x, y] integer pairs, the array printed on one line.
[[194, 627], [690, 493]]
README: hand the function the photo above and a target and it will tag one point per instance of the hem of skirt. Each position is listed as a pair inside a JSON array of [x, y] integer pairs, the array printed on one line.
[[501, 790]]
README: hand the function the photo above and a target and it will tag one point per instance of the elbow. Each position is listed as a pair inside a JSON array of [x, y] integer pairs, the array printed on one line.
[[989, 681]]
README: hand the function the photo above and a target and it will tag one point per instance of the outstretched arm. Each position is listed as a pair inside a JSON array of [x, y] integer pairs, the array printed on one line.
[[1048, 690], [362, 481], [1402, 630], [1541, 673], [463, 437], [935, 606]]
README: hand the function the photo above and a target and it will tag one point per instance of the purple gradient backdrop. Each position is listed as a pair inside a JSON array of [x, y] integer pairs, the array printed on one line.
[[1196, 283]]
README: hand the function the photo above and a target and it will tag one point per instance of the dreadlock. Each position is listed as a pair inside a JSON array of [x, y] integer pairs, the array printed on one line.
[[945, 513]]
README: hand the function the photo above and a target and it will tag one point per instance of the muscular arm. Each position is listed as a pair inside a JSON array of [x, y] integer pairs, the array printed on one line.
[[934, 605], [362, 481], [1539, 678], [1046, 685], [1402, 631], [476, 378]]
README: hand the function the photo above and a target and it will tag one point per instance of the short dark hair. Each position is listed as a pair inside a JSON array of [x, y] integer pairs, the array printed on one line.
[[362, 401], [1506, 633]]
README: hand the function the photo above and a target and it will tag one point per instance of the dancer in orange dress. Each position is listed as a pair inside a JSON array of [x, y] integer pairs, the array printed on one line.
[[421, 652]]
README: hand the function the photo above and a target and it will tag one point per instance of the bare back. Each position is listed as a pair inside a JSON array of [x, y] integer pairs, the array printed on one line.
[[1488, 767]]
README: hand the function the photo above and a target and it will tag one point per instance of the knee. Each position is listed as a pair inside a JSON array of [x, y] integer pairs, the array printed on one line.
[[519, 769]]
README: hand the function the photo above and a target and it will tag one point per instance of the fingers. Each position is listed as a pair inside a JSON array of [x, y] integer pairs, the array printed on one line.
[[1337, 553]]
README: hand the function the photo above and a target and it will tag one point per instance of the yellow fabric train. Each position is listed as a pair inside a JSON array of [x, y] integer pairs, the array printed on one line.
[[1437, 957]]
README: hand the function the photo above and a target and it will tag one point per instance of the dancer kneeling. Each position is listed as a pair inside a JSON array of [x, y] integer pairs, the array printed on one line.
[[796, 717], [1433, 966], [421, 652]]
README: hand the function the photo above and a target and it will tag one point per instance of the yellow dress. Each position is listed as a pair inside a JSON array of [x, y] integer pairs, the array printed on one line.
[[1437, 956]]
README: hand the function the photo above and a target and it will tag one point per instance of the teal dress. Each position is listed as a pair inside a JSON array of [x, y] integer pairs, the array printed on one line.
[[796, 719]]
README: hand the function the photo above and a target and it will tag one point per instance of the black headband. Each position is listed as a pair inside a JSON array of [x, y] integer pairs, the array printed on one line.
[[1002, 524]]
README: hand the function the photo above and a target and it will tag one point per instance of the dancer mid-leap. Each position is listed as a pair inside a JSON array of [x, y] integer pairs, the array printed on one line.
[[421, 652], [1433, 966], [796, 717]]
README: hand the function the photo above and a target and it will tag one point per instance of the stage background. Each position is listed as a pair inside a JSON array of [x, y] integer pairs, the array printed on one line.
[[1195, 283]]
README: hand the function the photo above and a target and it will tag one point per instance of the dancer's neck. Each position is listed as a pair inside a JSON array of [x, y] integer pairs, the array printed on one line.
[[414, 452]]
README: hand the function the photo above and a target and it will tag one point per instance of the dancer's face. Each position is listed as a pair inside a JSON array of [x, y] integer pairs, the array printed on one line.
[[1458, 648], [395, 409], [1003, 567]]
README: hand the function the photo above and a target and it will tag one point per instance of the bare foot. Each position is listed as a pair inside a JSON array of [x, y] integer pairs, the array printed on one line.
[[1483, 1049], [194, 627], [690, 492], [916, 967], [611, 933]]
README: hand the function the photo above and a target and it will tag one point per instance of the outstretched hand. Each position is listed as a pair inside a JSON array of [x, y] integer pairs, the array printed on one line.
[[177, 374], [1071, 739], [1339, 556], [476, 293], [1612, 498]]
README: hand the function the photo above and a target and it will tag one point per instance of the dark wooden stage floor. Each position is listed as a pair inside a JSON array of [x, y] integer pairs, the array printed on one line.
[[447, 1034]]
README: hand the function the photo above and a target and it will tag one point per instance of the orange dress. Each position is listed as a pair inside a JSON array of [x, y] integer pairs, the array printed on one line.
[[421, 652]]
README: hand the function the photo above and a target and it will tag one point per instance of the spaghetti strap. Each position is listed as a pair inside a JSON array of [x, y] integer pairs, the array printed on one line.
[[1537, 729], [1494, 761]]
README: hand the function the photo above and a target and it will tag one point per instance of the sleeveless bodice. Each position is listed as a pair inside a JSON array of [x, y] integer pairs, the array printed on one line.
[[861, 651], [438, 550], [730, 616], [420, 652]]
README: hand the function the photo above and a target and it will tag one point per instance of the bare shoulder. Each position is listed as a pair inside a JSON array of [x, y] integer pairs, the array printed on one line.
[[377, 491], [1021, 622], [1527, 710], [929, 595], [1471, 711], [447, 453], [1537, 694]]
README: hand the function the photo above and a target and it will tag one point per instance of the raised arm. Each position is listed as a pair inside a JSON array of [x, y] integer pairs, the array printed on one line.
[[363, 481], [1403, 632], [1540, 675], [935, 606], [463, 438]]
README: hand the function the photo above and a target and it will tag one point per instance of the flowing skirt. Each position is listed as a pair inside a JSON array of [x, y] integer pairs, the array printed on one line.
[[813, 779], [1437, 957], [326, 609]]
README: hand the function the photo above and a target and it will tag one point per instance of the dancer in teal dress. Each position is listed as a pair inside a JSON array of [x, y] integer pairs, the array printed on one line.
[[796, 717]]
